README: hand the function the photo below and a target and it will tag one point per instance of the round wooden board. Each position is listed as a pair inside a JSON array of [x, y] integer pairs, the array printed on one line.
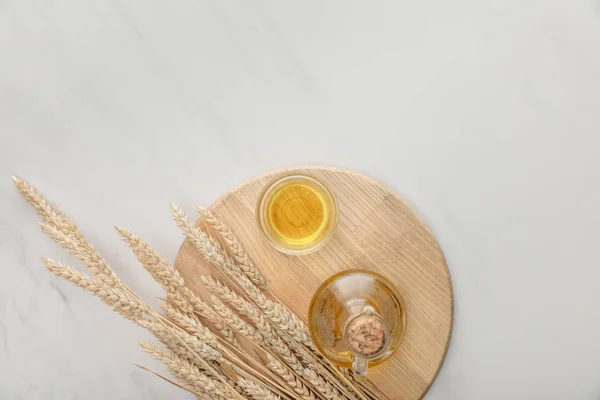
[[377, 231]]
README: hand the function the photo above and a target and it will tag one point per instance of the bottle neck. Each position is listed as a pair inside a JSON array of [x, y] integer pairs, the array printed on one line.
[[366, 334]]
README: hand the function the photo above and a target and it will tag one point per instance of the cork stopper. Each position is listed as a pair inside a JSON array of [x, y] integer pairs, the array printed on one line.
[[366, 335]]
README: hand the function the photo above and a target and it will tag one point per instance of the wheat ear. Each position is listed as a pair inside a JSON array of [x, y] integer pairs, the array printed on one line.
[[338, 379], [205, 311], [188, 373], [122, 302], [235, 247], [256, 391], [209, 248], [191, 325], [132, 308], [62, 230], [173, 338], [289, 378], [214, 254], [159, 268], [187, 388], [272, 339], [314, 372], [235, 322], [41, 206], [322, 386], [279, 315]]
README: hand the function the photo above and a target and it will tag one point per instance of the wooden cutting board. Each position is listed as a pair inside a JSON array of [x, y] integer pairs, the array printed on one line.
[[377, 231]]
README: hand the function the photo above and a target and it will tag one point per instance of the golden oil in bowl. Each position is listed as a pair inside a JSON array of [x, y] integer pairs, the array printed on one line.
[[296, 213]]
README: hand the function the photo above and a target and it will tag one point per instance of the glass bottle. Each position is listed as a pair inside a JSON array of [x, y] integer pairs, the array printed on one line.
[[357, 319]]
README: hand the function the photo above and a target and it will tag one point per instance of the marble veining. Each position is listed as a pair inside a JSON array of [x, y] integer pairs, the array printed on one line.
[[482, 114]]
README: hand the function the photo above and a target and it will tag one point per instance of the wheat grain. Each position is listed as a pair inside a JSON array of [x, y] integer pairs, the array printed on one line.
[[252, 280], [188, 372], [62, 230], [210, 249], [42, 208], [197, 357], [188, 388], [281, 317], [83, 252], [159, 268], [122, 302], [204, 310], [310, 361], [284, 319], [235, 322], [235, 247], [191, 325], [213, 253], [256, 391], [314, 372], [323, 387], [289, 378], [176, 338], [80, 250], [190, 348], [271, 338]]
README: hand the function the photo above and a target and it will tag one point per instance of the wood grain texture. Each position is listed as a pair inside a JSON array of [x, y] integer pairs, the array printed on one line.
[[377, 231]]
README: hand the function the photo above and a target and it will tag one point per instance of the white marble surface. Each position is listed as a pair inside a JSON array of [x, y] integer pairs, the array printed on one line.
[[485, 115]]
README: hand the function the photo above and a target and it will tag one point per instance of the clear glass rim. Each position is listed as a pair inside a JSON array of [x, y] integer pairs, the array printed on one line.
[[261, 212]]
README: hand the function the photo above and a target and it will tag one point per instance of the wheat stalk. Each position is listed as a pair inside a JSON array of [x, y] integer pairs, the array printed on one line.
[[122, 302], [209, 248], [159, 268], [189, 373], [204, 363], [83, 252], [174, 338], [214, 254], [333, 375], [44, 210], [256, 391], [61, 229], [271, 338], [187, 388], [205, 311], [235, 322], [324, 387], [191, 325], [281, 317], [235, 247], [134, 309], [289, 378]]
